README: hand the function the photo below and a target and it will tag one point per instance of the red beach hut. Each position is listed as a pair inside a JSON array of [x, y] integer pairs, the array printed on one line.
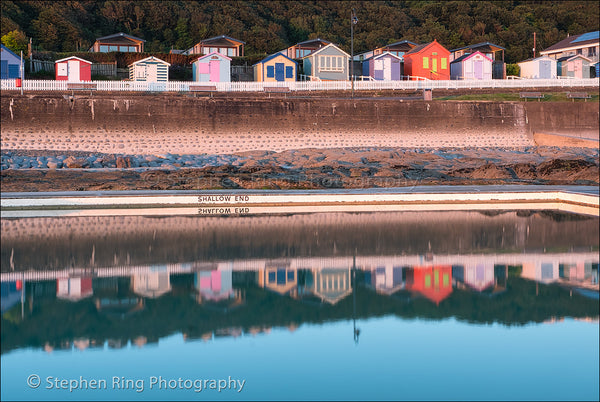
[[73, 69]]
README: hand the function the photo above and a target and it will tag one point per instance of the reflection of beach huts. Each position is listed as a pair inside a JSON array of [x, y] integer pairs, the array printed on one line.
[[330, 284], [275, 68], [213, 67], [151, 284], [73, 69], [478, 276], [385, 280], [329, 63], [279, 278], [215, 286], [473, 66], [10, 294], [545, 272], [433, 282], [539, 68], [150, 69], [73, 289], [577, 272], [383, 67]]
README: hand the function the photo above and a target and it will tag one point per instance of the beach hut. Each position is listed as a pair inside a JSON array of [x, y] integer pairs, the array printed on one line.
[[303, 49], [542, 67], [10, 63], [428, 61], [329, 63], [383, 67], [73, 69], [576, 66], [74, 289], [275, 68], [213, 67], [488, 49], [433, 282], [223, 44], [119, 42], [150, 69], [472, 66]]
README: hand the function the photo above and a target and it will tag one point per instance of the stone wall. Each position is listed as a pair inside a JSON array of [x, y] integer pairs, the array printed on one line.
[[183, 124]]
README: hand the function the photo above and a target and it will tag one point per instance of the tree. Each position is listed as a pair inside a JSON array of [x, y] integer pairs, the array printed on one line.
[[15, 41]]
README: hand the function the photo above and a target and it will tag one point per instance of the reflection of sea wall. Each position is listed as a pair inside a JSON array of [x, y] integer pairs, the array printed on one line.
[[56, 243]]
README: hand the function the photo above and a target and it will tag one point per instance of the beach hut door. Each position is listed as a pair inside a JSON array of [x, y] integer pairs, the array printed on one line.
[[545, 69], [214, 70], [73, 70], [279, 72], [478, 69], [387, 69]]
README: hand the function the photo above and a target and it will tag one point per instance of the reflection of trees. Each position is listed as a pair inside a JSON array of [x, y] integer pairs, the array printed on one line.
[[55, 321]]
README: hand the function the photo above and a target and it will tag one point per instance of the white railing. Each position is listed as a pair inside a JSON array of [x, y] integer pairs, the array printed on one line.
[[183, 86]]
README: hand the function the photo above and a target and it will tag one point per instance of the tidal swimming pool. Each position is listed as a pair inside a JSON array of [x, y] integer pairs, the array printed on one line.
[[482, 305]]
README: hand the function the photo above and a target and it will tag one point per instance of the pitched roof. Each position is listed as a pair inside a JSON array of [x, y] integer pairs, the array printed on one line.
[[384, 54], [211, 54], [466, 56], [272, 56], [73, 57], [575, 41], [418, 48], [217, 38], [120, 34], [323, 48], [10, 51], [312, 40], [150, 58], [490, 45], [533, 59], [402, 42]]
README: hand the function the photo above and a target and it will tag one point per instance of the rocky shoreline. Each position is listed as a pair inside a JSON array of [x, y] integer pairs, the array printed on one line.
[[371, 167]]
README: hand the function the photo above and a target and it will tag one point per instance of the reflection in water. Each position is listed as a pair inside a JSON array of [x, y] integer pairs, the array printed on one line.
[[117, 283]]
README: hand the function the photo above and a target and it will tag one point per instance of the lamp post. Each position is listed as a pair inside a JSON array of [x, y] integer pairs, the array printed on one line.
[[353, 21]]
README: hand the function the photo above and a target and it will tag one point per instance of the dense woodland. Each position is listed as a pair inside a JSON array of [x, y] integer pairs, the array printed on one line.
[[270, 26]]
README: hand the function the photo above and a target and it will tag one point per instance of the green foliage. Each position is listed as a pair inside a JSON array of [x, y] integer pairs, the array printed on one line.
[[269, 26], [513, 69], [15, 41]]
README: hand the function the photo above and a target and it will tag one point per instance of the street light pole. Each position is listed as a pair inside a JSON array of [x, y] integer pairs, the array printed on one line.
[[353, 21]]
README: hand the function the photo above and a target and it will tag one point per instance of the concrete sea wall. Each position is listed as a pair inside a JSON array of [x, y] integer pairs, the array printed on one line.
[[182, 124]]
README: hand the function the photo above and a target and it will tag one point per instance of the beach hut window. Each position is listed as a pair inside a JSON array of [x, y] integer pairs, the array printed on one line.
[[289, 72], [270, 71], [444, 63], [425, 62]]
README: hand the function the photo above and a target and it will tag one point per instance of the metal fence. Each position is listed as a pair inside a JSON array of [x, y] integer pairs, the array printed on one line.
[[184, 86]]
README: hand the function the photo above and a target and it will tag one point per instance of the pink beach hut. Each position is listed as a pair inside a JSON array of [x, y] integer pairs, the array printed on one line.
[[472, 66], [213, 67]]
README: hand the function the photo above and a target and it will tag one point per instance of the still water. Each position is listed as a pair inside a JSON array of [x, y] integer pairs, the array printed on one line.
[[417, 306]]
